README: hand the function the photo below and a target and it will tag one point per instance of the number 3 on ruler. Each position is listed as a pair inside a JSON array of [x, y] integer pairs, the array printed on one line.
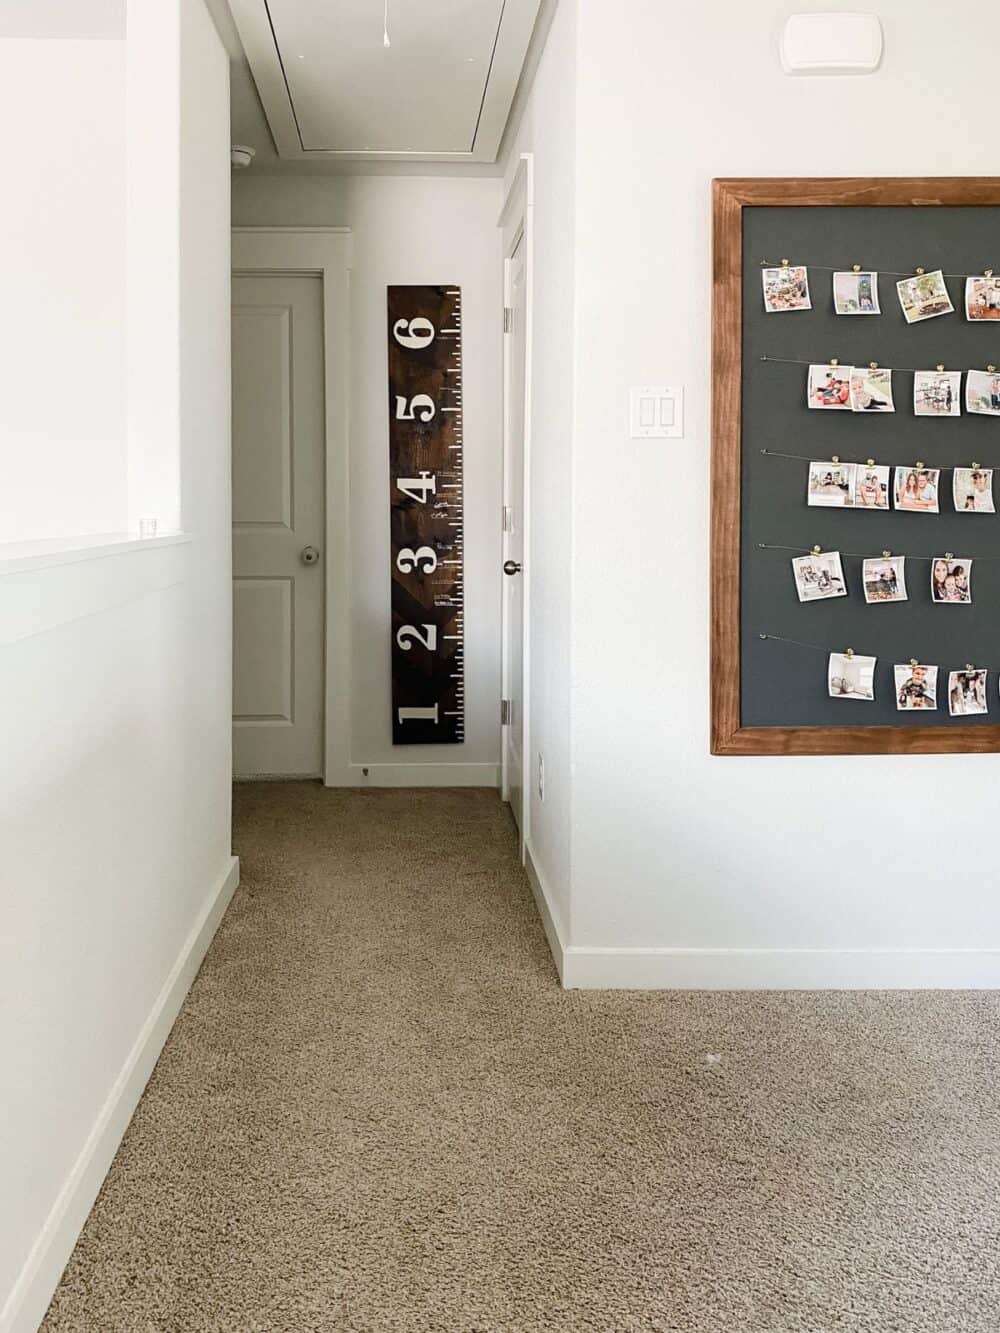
[[425, 484], [407, 634], [409, 559], [421, 332]]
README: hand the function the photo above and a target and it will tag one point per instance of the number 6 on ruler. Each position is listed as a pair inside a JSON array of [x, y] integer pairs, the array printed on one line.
[[407, 634], [421, 332]]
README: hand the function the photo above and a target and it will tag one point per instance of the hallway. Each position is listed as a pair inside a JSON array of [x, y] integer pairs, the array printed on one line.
[[379, 1112]]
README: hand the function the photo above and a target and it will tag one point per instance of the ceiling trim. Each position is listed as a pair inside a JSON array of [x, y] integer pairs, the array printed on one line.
[[253, 22]]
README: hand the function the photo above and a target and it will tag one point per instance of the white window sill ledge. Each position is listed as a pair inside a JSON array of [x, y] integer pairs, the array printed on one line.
[[20, 557]]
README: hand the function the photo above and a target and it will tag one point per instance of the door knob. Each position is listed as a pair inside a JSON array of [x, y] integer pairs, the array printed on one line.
[[511, 567], [310, 555]]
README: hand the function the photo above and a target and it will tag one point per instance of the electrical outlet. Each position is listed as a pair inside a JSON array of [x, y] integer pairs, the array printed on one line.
[[541, 778]]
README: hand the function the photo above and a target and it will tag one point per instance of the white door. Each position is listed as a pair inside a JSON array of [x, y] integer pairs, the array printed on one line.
[[278, 515], [513, 545]]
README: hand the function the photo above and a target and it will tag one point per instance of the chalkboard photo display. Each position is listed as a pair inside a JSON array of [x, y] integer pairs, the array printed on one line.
[[769, 695]]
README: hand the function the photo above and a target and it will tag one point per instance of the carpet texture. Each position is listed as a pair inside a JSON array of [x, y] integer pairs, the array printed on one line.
[[378, 1113]]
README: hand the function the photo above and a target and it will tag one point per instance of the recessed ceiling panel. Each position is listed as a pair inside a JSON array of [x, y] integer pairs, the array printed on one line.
[[440, 90], [350, 92]]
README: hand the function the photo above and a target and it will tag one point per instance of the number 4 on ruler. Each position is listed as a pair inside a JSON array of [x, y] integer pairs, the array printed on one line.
[[425, 484]]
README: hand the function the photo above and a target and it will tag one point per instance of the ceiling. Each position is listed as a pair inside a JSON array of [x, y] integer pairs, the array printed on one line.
[[315, 81]]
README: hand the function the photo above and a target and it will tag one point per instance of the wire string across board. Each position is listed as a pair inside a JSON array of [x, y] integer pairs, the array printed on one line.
[[861, 555], [850, 652], [864, 462], [889, 272], [874, 365]]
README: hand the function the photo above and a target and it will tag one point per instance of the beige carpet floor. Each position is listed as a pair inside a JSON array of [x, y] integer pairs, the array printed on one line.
[[378, 1113]]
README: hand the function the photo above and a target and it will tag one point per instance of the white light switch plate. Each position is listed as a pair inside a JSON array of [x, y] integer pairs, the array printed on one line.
[[656, 412]]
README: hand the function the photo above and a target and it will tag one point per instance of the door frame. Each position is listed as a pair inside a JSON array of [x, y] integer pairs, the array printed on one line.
[[323, 252], [517, 225]]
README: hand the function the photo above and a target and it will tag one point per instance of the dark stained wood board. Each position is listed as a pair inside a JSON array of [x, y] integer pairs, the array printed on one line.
[[426, 515]]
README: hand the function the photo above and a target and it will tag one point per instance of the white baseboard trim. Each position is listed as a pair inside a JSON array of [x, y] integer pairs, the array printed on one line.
[[422, 775], [780, 969], [552, 923], [29, 1298]]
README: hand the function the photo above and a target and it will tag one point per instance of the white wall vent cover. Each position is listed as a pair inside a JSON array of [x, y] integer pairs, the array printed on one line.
[[831, 44], [331, 88]]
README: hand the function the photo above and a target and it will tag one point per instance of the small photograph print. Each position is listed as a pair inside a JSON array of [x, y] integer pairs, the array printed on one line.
[[871, 390], [916, 687], [923, 296], [982, 298], [982, 392], [917, 490], [819, 576], [951, 580], [871, 487], [967, 693], [856, 294], [884, 579], [937, 393], [786, 288], [830, 387], [831, 485], [973, 490], [851, 677]]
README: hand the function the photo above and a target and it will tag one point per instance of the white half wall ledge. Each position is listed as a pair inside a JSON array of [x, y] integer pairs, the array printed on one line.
[[26, 1304], [586, 968], [848, 43]]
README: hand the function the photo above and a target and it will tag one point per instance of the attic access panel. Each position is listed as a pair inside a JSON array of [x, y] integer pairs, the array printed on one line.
[[330, 88]]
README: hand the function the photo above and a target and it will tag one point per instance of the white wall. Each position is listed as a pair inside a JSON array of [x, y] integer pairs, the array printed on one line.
[[114, 790], [62, 229], [412, 230], [671, 848], [548, 131]]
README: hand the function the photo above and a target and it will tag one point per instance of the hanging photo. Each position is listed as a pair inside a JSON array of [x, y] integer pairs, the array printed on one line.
[[819, 576], [856, 294], [973, 490], [871, 390], [937, 393], [871, 487], [884, 579], [923, 296], [982, 392], [830, 387], [951, 580], [786, 288], [851, 677], [917, 490], [967, 693], [982, 298], [916, 687], [831, 485]]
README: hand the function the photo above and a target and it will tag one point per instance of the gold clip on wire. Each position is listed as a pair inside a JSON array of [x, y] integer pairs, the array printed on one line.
[[873, 365], [835, 458], [939, 367], [987, 273], [969, 666], [855, 268], [886, 555], [919, 465], [848, 653], [914, 662], [833, 361], [919, 272], [869, 462], [949, 555], [817, 550], [784, 263], [975, 467], [990, 370]]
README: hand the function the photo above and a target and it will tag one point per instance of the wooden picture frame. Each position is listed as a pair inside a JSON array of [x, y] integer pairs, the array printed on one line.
[[730, 197]]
